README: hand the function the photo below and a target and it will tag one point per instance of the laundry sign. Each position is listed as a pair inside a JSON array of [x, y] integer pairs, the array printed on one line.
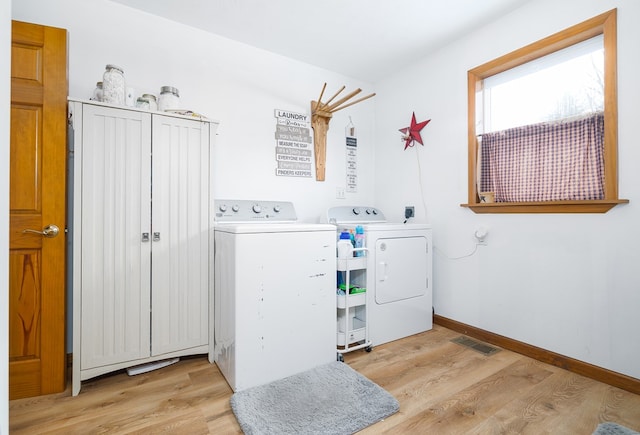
[[352, 157], [294, 150]]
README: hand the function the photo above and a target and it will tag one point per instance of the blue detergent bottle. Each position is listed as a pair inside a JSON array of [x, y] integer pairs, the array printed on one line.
[[359, 240]]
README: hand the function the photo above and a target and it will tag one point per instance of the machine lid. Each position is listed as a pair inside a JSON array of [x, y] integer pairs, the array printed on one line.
[[272, 227], [347, 214]]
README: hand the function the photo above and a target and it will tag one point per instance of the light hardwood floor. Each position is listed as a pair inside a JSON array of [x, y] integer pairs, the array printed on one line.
[[442, 387]]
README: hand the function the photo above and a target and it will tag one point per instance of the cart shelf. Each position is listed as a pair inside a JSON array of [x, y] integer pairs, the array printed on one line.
[[352, 330], [352, 263], [352, 300]]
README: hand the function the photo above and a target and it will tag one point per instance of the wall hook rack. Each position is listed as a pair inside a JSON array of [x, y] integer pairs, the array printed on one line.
[[321, 114]]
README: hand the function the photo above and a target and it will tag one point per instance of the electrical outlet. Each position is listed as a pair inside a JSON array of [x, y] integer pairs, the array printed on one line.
[[409, 212], [340, 194], [481, 235]]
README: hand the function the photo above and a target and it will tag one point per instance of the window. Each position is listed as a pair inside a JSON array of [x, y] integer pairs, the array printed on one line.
[[561, 87], [567, 83]]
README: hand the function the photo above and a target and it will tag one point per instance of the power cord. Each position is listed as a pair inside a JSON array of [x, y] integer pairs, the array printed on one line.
[[424, 204], [475, 248]]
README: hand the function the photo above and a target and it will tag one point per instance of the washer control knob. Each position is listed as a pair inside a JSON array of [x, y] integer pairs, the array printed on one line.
[[222, 208], [276, 208], [368, 211], [356, 211], [257, 208], [235, 208], [374, 211]]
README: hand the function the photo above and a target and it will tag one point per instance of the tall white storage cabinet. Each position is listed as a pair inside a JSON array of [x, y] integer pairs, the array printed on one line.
[[142, 233]]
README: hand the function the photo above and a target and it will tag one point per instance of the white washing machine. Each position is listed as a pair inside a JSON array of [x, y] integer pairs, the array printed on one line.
[[399, 272], [274, 292]]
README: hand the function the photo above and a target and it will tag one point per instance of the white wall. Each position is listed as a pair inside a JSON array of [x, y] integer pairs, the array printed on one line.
[[566, 283], [5, 96], [236, 84]]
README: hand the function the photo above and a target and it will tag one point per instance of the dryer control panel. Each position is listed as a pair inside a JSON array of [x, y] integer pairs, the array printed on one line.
[[354, 215], [245, 210]]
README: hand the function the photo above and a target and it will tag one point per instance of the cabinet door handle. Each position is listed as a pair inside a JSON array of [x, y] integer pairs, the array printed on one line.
[[145, 237], [156, 237]]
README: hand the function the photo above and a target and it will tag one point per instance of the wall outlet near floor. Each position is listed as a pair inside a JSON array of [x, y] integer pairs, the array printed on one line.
[[340, 194], [409, 212]]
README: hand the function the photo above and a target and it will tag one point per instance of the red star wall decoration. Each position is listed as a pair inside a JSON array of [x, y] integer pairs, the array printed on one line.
[[411, 134]]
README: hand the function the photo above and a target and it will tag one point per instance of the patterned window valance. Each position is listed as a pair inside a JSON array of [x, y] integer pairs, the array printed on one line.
[[552, 161]]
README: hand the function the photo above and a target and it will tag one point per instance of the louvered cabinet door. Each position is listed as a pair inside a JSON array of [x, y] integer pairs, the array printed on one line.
[[180, 246], [114, 212]]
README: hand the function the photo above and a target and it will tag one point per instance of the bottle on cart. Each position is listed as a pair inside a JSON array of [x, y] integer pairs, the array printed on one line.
[[359, 239], [344, 245]]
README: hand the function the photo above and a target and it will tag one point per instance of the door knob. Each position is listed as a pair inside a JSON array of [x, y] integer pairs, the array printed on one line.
[[49, 231]]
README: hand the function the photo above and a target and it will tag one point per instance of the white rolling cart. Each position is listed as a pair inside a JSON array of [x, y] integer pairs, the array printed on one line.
[[352, 327]]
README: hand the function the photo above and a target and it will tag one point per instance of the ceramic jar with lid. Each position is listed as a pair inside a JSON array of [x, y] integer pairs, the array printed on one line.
[[147, 101], [153, 103], [97, 92], [169, 99], [142, 103], [113, 85]]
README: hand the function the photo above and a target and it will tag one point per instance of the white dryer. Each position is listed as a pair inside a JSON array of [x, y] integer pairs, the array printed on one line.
[[399, 272], [274, 292]]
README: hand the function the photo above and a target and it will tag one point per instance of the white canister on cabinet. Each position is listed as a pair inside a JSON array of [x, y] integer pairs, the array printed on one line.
[[153, 103], [97, 92], [169, 99], [113, 86], [141, 103]]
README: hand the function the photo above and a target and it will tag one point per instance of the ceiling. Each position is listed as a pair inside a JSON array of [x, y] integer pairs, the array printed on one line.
[[363, 39]]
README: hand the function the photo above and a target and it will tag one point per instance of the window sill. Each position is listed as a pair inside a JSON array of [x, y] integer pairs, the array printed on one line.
[[598, 206]]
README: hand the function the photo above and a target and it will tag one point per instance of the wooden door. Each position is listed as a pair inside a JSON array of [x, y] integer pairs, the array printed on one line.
[[37, 202], [180, 251]]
